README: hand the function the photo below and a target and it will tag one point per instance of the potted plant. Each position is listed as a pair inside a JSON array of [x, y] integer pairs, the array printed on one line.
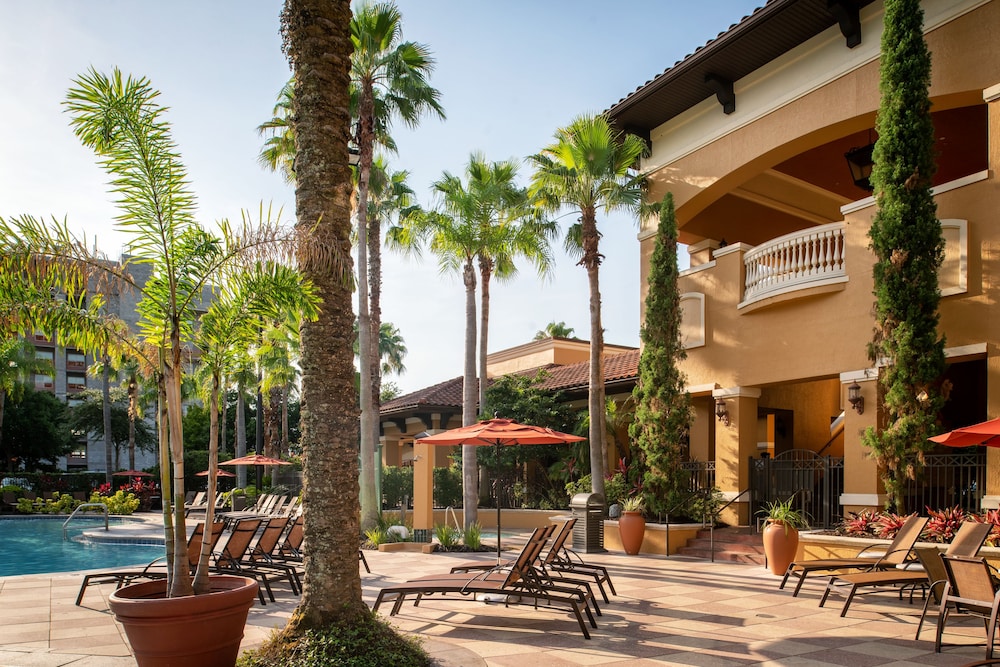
[[175, 267], [781, 533], [632, 524]]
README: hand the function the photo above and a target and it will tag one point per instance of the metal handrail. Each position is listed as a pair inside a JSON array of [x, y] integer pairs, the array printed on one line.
[[711, 528], [454, 517], [104, 508]]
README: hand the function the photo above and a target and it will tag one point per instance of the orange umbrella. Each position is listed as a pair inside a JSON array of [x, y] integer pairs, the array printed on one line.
[[984, 433], [255, 460], [218, 473], [500, 433]]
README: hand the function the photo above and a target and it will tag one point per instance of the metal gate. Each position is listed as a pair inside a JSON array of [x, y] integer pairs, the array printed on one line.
[[813, 483]]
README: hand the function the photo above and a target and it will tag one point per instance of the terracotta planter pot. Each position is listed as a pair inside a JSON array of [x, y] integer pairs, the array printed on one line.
[[631, 529], [780, 547], [194, 631]]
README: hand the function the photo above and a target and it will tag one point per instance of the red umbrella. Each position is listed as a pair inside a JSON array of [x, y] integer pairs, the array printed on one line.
[[984, 433], [131, 473], [218, 473], [500, 433], [255, 460]]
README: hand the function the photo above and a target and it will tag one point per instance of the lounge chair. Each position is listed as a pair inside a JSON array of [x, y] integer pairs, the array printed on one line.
[[897, 552], [235, 559], [567, 562], [261, 552], [155, 569], [517, 584], [971, 589], [967, 542]]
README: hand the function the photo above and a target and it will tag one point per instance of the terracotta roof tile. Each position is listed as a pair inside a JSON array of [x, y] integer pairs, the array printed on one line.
[[617, 368]]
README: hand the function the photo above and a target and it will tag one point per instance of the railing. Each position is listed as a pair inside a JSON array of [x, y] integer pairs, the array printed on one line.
[[454, 517], [711, 530], [104, 508], [794, 261]]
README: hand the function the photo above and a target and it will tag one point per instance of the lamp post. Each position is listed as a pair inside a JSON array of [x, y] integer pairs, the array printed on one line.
[[860, 162]]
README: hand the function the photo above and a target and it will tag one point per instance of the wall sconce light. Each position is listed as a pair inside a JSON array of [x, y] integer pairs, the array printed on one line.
[[860, 162], [721, 413], [855, 398]]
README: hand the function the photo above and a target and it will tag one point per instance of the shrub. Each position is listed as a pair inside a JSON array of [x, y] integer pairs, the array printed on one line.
[[473, 537], [861, 524], [359, 641], [447, 536], [888, 524], [376, 536], [397, 484], [447, 487], [119, 503], [942, 525]]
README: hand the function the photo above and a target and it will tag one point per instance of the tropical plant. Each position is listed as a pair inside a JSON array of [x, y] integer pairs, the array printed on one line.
[[784, 513], [554, 330], [587, 168], [909, 248], [663, 406], [447, 536], [18, 363], [278, 152], [859, 524], [472, 537], [633, 504], [943, 524]]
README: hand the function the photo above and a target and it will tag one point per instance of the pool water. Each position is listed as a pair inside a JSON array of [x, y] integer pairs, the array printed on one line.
[[36, 545]]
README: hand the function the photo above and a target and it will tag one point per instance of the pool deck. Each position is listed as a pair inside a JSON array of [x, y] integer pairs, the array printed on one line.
[[668, 611]]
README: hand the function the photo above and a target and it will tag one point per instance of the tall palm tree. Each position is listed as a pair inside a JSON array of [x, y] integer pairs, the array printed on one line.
[[278, 153], [279, 355], [478, 218], [317, 41], [391, 348], [389, 78], [588, 168]]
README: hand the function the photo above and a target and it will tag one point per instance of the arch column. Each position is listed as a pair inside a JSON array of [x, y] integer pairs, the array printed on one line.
[[735, 444], [862, 488]]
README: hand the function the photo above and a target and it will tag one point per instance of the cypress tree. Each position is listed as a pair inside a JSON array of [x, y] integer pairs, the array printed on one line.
[[663, 407], [908, 246]]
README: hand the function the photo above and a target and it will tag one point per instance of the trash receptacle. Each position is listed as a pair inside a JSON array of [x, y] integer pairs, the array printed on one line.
[[588, 533]]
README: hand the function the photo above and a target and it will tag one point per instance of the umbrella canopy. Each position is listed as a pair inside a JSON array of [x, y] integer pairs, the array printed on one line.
[[255, 460], [218, 473], [500, 433], [984, 433], [131, 473]]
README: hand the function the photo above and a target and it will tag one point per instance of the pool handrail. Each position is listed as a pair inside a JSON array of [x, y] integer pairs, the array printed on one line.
[[103, 507]]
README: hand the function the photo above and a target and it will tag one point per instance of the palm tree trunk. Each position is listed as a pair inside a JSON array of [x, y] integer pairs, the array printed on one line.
[[133, 402], [106, 407], [485, 270], [283, 442], [241, 434], [595, 398], [470, 473], [317, 41], [369, 421], [375, 313]]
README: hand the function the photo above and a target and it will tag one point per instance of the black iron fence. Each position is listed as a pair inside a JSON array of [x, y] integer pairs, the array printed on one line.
[[948, 480]]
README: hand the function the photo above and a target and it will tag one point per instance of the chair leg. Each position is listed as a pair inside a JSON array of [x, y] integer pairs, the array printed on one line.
[[847, 602], [364, 561]]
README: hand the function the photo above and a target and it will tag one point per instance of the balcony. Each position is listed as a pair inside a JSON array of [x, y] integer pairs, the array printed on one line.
[[795, 261]]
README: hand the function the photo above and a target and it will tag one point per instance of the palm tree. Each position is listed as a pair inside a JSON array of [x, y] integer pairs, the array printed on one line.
[[17, 364], [389, 80], [317, 41], [278, 153], [230, 326], [391, 348], [588, 168], [554, 330], [279, 355]]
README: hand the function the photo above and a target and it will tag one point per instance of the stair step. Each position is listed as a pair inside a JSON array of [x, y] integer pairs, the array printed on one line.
[[737, 545]]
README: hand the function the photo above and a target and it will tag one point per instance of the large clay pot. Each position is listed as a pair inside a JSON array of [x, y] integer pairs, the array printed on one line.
[[780, 546], [631, 530], [193, 631]]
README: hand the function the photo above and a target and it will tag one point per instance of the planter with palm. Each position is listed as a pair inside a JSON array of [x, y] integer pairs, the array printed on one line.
[[632, 524], [782, 522]]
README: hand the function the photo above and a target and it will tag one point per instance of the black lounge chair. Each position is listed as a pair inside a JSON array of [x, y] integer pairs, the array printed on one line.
[[517, 583], [235, 559]]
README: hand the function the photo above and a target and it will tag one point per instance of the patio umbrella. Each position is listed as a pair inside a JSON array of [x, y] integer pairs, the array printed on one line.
[[131, 473], [984, 433], [255, 460], [500, 433], [218, 473]]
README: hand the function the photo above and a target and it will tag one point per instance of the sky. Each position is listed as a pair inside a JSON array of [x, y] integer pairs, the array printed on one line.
[[510, 74]]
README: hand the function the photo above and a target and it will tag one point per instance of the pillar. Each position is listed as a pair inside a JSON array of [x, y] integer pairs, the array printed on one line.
[[735, 444], [862, 488]]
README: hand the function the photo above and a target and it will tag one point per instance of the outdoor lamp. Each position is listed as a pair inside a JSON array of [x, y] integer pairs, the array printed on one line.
[[720, 411], [860, 162], [855, 398]]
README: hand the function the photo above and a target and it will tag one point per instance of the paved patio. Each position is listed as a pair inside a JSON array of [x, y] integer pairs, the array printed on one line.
[[668, 611]]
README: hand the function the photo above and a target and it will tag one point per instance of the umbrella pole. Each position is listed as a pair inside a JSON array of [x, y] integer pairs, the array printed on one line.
[[496, 495]]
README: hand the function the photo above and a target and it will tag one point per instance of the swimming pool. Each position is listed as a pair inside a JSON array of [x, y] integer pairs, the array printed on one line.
[[33, 545]]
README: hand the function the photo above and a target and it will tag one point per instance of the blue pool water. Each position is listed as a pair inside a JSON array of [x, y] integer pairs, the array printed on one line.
[[33, 546]]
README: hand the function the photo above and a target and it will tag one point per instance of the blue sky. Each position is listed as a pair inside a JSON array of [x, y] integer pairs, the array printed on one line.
[[510, 73]]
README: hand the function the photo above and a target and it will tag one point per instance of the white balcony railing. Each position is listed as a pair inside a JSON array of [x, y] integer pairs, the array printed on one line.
[[794, 261]]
